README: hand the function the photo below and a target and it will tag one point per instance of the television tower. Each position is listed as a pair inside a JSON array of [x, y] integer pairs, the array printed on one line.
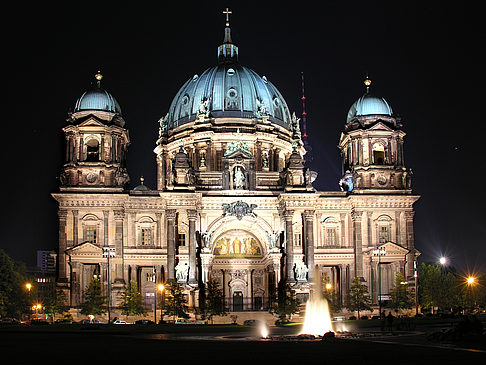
[[307, 147]]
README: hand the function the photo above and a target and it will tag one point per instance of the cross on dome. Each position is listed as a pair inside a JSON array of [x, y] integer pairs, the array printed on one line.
[[227, 12]]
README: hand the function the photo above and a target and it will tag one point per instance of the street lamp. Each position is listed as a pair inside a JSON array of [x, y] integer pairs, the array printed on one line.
[[443, 260], [380, 251], [161, 288], [108, 252]]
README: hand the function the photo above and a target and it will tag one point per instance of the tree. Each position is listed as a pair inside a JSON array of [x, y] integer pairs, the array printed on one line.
[[94, 300], [437, 289], [358, 298], [330, 294], [132, 301], [215, 305], [401, 297], [57, 302], [286, 304], [14, 299], [175, 301]]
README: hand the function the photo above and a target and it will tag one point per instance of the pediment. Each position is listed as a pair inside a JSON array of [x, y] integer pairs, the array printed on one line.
[[380, 126], [91, 122], [393, 249], [239, 154], [85, 249]]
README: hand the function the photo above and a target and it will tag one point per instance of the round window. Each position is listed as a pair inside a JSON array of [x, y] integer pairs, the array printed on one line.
[[231, 93]]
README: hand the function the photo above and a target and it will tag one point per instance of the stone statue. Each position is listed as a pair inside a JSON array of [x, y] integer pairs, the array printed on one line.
[[206, 237], [239, 209], [274, 238], [239, 178], [182, 271], [295, 123], [163, 124], [265, 159], [261, 108], [203, 108], [301, 271]]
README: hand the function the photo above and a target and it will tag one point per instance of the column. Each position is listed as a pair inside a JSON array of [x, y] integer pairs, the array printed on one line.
[[289, 247], [158, 229], [357, 243], [119, 217], [106, 214], [62, 214], [171, 222], [192, 216], [309, 242], [410, 242], [75, 227]]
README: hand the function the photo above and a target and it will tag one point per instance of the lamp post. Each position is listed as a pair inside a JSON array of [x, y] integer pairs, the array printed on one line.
[[161, 288], [379, 251], [108, 252], [415, 278]]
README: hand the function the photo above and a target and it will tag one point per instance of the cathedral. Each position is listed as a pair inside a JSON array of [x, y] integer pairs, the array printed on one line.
[[234, 200]]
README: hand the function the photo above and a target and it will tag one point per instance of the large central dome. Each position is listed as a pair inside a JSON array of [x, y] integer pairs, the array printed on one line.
[[228, 90]]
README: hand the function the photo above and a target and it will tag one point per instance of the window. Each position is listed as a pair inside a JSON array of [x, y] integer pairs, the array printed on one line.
[[378, 154], [181, 239], [91, 234], [331, 236], [297, 239], [92, 150], [384, 233], [146, 236]]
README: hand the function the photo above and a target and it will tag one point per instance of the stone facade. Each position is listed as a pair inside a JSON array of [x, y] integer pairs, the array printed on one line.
[[234, 202]]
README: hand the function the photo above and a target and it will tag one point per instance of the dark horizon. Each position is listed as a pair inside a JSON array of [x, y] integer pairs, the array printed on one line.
[[420, 57]]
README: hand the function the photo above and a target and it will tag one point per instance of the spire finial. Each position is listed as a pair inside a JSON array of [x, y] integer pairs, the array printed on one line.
[[367, 83], [98, 77], [227, 12]]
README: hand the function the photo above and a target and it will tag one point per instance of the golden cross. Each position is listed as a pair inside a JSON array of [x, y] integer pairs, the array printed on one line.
[[227, 12]]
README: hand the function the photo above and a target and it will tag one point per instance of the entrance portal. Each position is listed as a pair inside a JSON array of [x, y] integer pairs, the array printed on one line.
[[237, 301]]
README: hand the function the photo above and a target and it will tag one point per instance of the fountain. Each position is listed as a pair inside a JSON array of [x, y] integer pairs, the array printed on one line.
[[317, 321]]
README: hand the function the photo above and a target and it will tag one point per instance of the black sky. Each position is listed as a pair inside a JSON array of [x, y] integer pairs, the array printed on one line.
[[423, 57]]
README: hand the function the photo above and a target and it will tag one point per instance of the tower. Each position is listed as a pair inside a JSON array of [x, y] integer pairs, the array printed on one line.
[[372, 148], [96, 143]]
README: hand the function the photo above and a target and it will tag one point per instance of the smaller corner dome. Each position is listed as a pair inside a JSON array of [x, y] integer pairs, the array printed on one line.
[[97, 99], [369, 105]]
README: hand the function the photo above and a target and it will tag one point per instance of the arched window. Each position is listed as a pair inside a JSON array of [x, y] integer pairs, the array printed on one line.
[[330, 232], [92, 150], [378, 154]]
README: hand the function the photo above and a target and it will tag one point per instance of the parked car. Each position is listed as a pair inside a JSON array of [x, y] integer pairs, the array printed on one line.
[[120, 321], [144, 321], [253, 322], [339, 318]]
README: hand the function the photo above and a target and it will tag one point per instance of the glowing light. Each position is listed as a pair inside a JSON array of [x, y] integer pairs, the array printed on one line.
[[317, 319], [443, 260], [28, 286], [161, 287], [263, 330], [328, 286], [470, 280]]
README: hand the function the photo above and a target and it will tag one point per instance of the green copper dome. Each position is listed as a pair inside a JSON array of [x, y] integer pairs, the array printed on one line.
[[97, 99], [228, 90], [369, 105]]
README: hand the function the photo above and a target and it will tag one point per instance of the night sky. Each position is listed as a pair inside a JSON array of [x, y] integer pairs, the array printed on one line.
[[423, 57]]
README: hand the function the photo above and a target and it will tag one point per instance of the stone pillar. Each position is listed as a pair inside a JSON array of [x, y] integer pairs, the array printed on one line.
[[158, 230], [289, 247], [119, 217], [192, 216], [357, 244], [171, 215], [410, 242], [309, 242], [62, 274], [106, 214], [75, 227]]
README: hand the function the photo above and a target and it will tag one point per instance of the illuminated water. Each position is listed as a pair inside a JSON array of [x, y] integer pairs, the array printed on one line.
[[317, 317]]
